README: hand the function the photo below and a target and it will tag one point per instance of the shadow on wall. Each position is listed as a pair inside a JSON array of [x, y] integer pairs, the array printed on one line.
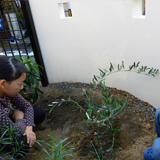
[[140, 86]]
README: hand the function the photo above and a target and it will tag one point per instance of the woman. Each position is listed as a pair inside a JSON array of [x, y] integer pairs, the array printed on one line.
[[12, 76], [153, 153]]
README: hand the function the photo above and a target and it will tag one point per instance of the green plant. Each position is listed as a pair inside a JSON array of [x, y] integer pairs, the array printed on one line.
[[7, 5], [32, 77], [97, 153], [104, 115], [20, 16], [59, 150], [10, 147]]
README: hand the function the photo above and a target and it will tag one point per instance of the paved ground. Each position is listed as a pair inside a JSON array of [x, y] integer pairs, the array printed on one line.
[[16, 51]]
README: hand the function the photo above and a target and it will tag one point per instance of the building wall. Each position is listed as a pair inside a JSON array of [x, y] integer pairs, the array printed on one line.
[[100, 32]]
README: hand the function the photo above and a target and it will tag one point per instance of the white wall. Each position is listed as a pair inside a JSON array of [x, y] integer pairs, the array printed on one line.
[[98, 33]]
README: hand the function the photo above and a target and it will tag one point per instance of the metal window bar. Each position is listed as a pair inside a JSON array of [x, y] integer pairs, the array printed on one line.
[[25, 47], [34, 39], [13, 31], [25, 6], [7, 39]]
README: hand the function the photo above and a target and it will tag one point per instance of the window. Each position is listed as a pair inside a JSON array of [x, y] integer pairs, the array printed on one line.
[[65, 10], [138, 9], [143, 7]]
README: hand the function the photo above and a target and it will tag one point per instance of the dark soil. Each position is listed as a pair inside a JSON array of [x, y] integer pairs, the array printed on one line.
[[136, 124]]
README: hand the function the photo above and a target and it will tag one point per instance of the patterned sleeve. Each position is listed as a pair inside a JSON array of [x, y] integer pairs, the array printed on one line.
[[6, 122], [24, 106]]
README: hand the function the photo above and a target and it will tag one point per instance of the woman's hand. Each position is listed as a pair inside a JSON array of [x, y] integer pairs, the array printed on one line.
[[18, 114], [31, 136]]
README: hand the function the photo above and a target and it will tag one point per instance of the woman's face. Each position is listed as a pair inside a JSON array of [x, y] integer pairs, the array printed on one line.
[[14, 87]]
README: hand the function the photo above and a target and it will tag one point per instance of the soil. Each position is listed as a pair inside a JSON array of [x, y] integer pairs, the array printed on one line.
[[136, 124]]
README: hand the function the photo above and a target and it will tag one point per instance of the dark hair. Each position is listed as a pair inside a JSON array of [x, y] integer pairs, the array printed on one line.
[[10, 68]]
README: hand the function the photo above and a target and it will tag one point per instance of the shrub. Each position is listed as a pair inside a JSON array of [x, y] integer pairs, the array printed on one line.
[[104, 115]]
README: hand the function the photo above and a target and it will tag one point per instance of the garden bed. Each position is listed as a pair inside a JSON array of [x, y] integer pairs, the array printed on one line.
[[136, 124]]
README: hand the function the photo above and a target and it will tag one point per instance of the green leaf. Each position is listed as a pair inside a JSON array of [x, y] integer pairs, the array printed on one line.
[[114, 152], [111, 67], [91, 85], [134, 65], [100, 150], [126, 106], [121, 112], [123, 100], [130, 67], [28, 67], [90, 146], [41, 92], [96, 105], [123, 64], [150, 71], [101, 71], [37, 70], [95, 78], [93, 81], [137, 64], [109, 149], [117, 137], [92, 152], [145, 67], [157, 71], [44, 150]]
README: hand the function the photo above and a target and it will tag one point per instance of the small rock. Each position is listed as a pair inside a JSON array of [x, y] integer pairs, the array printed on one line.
[[148, 126], [48, 120]]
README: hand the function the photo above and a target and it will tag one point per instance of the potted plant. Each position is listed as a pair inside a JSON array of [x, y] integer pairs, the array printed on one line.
[[31, 88]]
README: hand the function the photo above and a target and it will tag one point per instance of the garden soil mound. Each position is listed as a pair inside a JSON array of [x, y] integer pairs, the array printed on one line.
[[136, 124]]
